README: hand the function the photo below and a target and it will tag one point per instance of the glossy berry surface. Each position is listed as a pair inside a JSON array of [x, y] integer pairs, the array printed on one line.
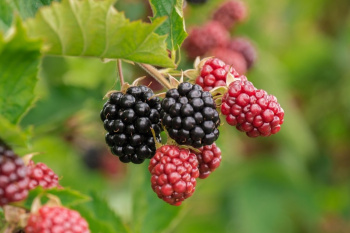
[[173, 174], [230, 12], [246, 48], [41, 175], [189, 115], [202, 39], [250, 110], [213, 74], [129, 118], [56, 220], [209, 159], [232, 58], [13, 177]]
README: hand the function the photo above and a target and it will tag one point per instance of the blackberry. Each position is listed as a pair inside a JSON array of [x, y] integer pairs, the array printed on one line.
[[41, 175], [231, 12], [213, 74], [202, 39], [246, 48], [56, 219], [230, 57], [250, 110], [13, 176], [174, 172], [129, 118], [209, 159], [189, 115]]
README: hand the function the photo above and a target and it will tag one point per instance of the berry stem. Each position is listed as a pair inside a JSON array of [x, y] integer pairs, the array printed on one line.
[[120, 72], [155, 74]]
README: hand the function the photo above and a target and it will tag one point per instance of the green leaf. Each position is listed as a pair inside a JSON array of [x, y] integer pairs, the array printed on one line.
[[19, 60], [174, 26], [150, 214], [27, 9], [101, 218], [95, 29], [68, 197], [6, 15], [12, 134]]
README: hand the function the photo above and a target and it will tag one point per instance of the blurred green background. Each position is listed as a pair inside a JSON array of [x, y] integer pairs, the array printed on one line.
[[294, 182]]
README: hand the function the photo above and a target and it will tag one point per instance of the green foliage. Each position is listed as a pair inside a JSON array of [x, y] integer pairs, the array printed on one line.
[[5, 15], [174, 26], [12, 134], [95, 29], [28, 9], [19, 60], [100, 216], [68, 197]]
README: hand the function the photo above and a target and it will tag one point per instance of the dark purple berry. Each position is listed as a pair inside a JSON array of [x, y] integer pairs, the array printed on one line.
[[190, 115], [128, 118]]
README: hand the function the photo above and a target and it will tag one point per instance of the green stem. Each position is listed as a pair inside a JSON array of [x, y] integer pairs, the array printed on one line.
[[155, 74], [120, 72]]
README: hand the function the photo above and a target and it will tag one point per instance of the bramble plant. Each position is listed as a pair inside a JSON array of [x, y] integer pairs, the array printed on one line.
[[172, 131]]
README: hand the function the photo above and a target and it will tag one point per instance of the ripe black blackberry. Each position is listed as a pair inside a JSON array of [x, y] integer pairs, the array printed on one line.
[[128, 118], [189, 115]]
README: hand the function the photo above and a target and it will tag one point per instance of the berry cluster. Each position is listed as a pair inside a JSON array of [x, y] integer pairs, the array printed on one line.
[[129, 118], [250, 110], [13, 176], [56, 219], [17, 178], [213, 39], [189, 115]]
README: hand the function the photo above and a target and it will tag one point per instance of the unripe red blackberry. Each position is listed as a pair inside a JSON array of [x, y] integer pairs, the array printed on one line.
[[209, 159], [230, 57], [56, 219], [129, 118], [41, 175], [230, 12], [189, 115], [213, 74], [13, 176], [246, 48], [174, 172], [202, 39], [250, 110]]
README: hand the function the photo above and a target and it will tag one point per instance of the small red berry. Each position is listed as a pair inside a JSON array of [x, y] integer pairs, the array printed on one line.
[[230, 57], [209, 159], [231, 12], [244, 47], [41, 175], [13, 177], [213, 74], [202, 39], [174, 172], [56, 220], [250, 110]]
